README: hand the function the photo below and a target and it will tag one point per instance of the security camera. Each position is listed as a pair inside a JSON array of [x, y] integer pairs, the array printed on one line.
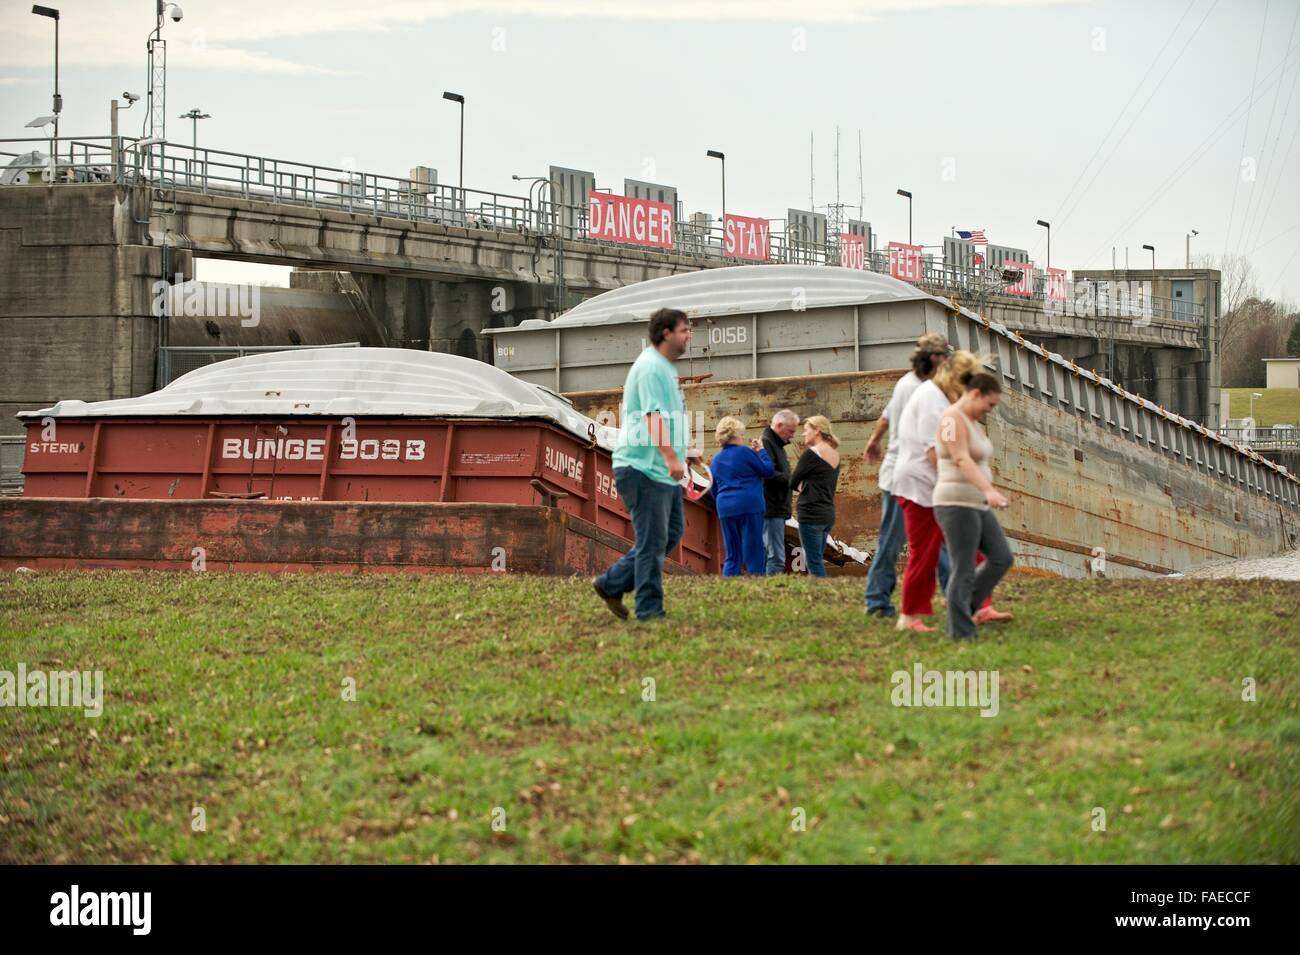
[[177, 13], [131, 97]]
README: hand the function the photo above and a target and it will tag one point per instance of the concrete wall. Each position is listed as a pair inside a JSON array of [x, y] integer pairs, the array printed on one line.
[[76, 292], [1190, 377]]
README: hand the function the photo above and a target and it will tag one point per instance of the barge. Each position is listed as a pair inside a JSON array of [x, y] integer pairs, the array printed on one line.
[[335, 459]]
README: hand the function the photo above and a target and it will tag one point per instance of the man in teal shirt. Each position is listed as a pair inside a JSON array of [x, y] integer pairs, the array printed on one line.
[[649, 462]]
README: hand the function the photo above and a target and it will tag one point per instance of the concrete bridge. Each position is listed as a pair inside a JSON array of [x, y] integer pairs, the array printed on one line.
[[432, 271]]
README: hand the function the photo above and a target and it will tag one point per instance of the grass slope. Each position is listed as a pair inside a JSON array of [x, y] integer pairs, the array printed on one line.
[[1278, 406], [224, 692]]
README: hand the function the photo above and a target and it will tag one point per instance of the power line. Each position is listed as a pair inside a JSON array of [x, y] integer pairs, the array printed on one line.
[[1138, 114], [1236, 182], [1262, 207], [1215, 135], [1120, 115], [1257, 191]]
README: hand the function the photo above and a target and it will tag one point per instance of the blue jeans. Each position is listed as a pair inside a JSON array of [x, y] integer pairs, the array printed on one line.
[[774, 544], [883, 575], [742, 535], [813, 538], [656, 510]]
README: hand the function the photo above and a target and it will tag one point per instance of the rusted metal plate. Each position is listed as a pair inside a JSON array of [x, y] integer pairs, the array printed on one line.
[[462, 538]]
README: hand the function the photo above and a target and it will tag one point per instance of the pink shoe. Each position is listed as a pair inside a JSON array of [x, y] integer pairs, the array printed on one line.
[[989, 615], [916, 626]]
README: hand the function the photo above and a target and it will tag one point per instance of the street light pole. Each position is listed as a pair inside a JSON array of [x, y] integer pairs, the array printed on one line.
[[714, 154], [908, 196], [194, 115], [53, 14], [458, 98], [1048, 227]]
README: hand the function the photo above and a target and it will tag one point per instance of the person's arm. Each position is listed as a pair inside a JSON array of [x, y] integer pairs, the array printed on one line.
[[807, 461], [773, 449], [871, 454], [956, 439], [657, 430], [928, 419], [760, 463]]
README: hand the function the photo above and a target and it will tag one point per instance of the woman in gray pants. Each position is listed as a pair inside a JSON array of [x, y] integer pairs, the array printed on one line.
[[963, 498]]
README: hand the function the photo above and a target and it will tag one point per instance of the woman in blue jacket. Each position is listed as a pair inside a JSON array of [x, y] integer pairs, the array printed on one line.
[[738, 474]]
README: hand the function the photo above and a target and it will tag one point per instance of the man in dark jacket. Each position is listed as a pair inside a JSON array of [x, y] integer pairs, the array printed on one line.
[[776, 489]]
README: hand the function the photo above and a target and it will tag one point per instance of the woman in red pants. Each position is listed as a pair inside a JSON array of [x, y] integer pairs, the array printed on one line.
[[915, 474]]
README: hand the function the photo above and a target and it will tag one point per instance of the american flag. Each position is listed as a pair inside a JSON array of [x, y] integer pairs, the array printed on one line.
[[974, 235]]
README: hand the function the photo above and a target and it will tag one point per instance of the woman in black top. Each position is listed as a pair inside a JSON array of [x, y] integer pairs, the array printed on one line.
[[816, 477]]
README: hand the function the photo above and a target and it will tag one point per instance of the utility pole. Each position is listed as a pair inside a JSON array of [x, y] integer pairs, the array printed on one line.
[[58, 100]]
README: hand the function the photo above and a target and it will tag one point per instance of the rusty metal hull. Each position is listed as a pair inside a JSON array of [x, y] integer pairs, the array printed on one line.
[[1079, 492], [318, 536], [506, 461]]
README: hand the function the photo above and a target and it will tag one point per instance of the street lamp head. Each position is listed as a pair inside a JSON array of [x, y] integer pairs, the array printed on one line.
[[1194, 232], [40, 121], [454, 97], [46, 12], [1149, 248], [1256, 395], [1045, 225], [904, 193], [714, 154]]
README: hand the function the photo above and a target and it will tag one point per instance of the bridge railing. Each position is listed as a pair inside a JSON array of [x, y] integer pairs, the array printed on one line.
[[176, 166], [1285, 438]]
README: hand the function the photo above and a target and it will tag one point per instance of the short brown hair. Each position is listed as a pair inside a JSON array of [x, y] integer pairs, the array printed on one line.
[[664, 321], [984, 383]]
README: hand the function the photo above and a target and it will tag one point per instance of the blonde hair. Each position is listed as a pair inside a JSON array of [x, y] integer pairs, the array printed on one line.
[[956, 371], [729, 429], [823, 427]]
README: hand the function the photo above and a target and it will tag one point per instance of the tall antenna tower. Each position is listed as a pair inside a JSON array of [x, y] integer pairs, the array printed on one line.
[[862, 195], [810, 170], [835, 218]]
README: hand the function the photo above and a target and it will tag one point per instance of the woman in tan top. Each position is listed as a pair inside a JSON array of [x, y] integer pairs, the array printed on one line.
[[963, 497]]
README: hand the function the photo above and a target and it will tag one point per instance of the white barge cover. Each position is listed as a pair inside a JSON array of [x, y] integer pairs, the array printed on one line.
[[733, 290], [378, 382]]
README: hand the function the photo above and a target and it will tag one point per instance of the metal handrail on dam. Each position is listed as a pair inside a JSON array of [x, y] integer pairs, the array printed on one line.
[[172, 167], [1031, 370]]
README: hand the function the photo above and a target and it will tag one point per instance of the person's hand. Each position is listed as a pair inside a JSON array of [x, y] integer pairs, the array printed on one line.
[[676, 469], [994, 498], [872, 453], [756, 444]]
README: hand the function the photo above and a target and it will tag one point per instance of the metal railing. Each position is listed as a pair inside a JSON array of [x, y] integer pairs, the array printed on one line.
[[1061, 384], [1275, 438], [175, 166], [177, 360]]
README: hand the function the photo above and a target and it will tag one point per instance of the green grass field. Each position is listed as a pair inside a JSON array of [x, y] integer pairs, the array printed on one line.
[[1278, 406], [521, 700]]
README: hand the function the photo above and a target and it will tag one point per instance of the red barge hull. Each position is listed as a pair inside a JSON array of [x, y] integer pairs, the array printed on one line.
[[294, 493]]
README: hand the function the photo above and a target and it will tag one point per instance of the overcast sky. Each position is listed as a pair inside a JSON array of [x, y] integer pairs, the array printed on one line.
[[1121, 123]]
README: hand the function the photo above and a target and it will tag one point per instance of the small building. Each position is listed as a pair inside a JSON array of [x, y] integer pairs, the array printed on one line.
[[1282, 373]]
